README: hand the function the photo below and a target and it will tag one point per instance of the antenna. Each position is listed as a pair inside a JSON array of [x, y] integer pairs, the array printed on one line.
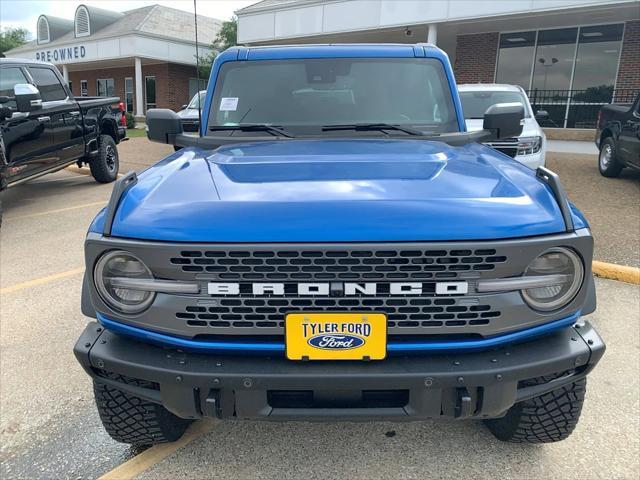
[[195, 21]]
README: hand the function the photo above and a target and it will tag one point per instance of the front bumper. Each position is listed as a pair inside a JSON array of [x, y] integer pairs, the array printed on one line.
[[456, 385]]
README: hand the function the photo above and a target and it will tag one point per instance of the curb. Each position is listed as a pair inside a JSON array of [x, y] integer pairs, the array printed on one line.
[[612, 271]]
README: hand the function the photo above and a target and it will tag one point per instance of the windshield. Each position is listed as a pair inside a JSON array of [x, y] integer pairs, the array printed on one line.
[[197, 99], [324, 92], [474, 104]]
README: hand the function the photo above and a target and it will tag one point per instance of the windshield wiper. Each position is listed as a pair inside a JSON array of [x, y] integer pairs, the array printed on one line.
[[372, 126], [254, 128]]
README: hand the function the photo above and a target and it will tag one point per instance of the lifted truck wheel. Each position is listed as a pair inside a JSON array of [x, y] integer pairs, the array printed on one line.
[[548, 418], [135, 421], [104, 167]]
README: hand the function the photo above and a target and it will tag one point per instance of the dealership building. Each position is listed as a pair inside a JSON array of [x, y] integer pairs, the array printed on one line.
[[146, 56], [571, 56]]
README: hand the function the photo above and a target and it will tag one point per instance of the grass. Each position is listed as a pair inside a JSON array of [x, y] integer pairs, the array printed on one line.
[[136, 132]]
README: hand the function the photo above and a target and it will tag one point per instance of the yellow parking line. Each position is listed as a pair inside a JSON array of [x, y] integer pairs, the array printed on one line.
[[41, 281], [147, 459], [622, 273], [57, 210]]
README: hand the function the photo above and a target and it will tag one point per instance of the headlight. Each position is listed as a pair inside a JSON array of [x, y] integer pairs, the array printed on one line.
[[529, 145], [117, 265], [568, 268]]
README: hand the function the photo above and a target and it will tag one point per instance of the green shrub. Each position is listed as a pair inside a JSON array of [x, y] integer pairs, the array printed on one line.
[[131, 123]]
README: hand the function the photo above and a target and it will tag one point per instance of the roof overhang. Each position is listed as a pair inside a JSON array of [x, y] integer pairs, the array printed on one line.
[[84, 50]]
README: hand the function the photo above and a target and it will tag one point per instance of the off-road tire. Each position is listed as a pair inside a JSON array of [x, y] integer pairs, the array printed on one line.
[[548, 418], [135, 421], [104, 166], [609, 168]]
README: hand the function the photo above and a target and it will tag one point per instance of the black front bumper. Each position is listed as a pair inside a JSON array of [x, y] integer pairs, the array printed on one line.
[[465, 385]]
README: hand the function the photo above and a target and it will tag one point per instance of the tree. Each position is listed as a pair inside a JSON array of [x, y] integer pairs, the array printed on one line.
[[12, 38], [226, 37]]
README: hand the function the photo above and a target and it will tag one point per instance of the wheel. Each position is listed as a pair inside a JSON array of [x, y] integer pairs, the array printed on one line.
[[548, 418], [104, 167], [607, 162], [135, 421]]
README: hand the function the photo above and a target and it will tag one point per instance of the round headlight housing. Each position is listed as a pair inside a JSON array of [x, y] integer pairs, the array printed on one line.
[[567, 266], [120, 264]]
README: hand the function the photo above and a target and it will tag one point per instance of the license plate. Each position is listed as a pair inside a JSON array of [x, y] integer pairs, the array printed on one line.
[[336, 336]]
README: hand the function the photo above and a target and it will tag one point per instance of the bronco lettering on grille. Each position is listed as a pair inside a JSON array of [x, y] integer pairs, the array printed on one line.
[[337, 289]]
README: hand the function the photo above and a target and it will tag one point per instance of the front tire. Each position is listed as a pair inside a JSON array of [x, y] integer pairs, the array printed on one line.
[[104, 167], [607, 161], [135, 421], [548, 418]]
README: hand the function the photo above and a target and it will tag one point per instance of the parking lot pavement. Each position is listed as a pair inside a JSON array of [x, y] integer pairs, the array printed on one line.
[[48, 424], [572, 146], [49, 427], [611, 205]]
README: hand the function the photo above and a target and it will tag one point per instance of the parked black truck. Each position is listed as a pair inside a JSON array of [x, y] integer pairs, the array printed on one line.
[[43, 128], [618, 138]]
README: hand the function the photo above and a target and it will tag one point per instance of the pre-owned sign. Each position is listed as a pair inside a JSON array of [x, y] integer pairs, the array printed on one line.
[[62, 54]]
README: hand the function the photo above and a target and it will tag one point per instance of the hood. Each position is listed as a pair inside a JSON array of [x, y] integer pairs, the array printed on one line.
[[337, 191], [529, 129]]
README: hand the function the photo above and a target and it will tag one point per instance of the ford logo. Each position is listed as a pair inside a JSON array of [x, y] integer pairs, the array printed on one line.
[[335, 341]]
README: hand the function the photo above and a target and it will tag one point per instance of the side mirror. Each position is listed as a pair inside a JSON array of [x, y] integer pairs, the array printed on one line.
[[504, 120], [183, 106], [542, 115], [27, 97], [163, 125]]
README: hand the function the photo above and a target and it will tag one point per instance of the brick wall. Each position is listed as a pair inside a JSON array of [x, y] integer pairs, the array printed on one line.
[[629, 70], [172, 82], [476, 57]]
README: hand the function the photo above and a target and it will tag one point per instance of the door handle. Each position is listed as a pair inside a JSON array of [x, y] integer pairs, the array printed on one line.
[[74, 114], [44, 119]]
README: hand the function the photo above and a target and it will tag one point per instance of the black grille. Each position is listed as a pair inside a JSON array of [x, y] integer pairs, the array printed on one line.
[[402, 312], [414, 264], [508, 146]]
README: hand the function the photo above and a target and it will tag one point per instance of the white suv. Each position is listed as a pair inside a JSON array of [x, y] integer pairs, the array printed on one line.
[[529, 148]]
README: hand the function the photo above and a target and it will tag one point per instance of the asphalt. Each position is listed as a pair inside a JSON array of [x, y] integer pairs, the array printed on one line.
[[49, 427]]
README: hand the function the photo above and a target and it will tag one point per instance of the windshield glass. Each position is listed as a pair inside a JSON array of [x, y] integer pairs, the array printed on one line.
[[474, 104], [322, 92], [197, 99]]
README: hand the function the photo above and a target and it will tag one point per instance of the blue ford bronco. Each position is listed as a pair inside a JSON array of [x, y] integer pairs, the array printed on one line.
[[335, 245]]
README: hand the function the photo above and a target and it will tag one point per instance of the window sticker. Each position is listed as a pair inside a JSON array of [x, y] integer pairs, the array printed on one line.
[[228, 104]]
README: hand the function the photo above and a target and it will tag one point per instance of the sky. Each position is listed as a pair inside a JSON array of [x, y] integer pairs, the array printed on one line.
[[24, 13]]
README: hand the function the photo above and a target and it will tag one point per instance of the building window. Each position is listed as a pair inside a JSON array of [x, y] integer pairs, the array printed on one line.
[[555, 54], [128, 94], [569, 72], [194, 87], [105, 87], [84, 88], [82, 23], [43, 30], [597, 57], [47, 82], [515, 58], [150, 92]]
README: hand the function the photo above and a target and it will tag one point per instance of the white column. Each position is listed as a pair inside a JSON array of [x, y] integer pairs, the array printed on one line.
[[65, 73], [138, 80], [432, 36]]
